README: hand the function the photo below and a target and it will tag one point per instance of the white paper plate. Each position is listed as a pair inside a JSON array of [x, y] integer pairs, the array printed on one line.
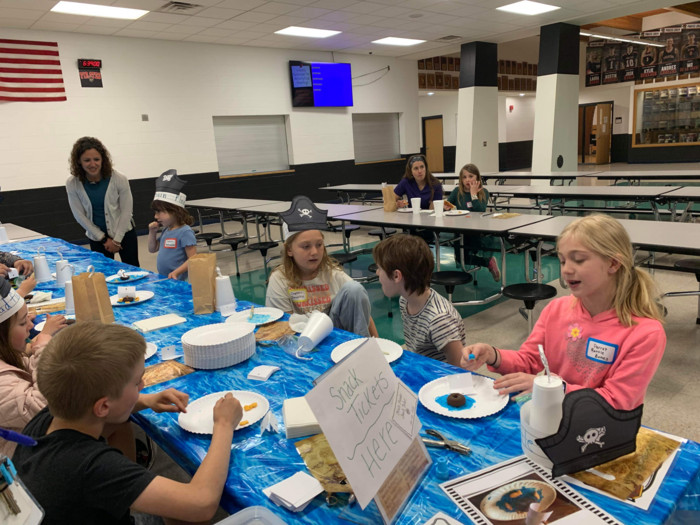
[[489, 505], [132, 276], [487, 400], [457, 212], [261, 315], [39, 327], [404, 210], [199, 417], [151, 349], [392, 351], [142, 295], [218, 334]]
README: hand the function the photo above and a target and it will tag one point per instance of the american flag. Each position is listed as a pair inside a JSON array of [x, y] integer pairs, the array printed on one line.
[[30, 71]]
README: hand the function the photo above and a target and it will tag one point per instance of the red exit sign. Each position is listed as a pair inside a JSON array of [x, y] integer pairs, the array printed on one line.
[[89, 63]]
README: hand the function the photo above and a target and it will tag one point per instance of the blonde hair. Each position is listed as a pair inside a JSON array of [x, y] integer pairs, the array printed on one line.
[[471, 168], [85, 362], [289, 269], [635, 290]]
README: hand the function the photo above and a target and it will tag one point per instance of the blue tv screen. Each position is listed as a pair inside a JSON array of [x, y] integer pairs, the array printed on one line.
[[320, 84]]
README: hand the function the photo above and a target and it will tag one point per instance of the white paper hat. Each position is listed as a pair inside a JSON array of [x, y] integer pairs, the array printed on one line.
[[10, 301], [168, 187]]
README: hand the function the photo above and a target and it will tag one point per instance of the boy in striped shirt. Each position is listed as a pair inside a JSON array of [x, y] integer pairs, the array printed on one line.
[[431, 325]]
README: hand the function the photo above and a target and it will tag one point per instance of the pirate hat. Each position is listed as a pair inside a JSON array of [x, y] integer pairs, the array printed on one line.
[[169, 188], [591, 432], [10, 301], [301, 216]]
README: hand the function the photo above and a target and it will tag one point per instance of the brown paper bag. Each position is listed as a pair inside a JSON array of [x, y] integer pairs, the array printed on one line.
[[389, 198], [202, 277], [91, 298]]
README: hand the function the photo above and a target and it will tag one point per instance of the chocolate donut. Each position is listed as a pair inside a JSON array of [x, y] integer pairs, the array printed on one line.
[[456, 400]]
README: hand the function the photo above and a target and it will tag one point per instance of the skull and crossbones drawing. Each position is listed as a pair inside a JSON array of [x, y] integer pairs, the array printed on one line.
[[167, 178], [305, 213], [591, 437]]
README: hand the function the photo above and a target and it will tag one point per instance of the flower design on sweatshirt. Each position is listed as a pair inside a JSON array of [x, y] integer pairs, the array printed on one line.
[[574, 333]]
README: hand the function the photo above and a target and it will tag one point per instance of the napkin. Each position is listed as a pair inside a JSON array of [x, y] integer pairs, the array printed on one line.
[[299, 420], [295, 492], [262, 372], [156, 323], [40, 297]]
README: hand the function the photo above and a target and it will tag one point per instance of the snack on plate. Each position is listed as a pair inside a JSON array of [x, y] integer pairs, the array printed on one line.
[[448, 205], [127, 299], [243, 423], [250, 407], [456, 400], [512, 501]]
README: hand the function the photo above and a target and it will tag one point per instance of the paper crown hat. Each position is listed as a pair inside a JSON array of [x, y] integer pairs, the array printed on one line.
[[301, 216], [10, 301], [591, 432], [169, 188]]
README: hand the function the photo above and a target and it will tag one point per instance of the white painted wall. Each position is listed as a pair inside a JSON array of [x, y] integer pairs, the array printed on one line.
[[444, 104], [181, 86], [477, 128], [518, 125]]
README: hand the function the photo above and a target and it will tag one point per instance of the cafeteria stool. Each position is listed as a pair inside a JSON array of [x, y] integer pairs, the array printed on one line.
[[207, 237], [692, 266], [382, 233], [343, 258], [233, 242], [349, 228], [262, 247], [530, 293], [450, 280]]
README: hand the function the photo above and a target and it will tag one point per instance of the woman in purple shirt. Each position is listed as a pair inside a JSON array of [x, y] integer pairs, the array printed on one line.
[[418, 182]]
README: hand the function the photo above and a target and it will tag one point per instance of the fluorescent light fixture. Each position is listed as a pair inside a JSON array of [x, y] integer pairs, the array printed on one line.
[[528, 8], [103, 11], [522, 94], [430, 93], [623, 39], [394, 41], [306, 31]]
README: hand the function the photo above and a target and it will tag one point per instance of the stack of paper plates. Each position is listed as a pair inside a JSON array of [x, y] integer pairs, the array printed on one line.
[[218, 345]]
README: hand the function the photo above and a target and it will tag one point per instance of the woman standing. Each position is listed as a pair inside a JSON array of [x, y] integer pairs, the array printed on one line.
[[101, 202]]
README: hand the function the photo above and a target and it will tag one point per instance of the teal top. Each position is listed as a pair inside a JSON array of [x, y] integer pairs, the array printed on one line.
[[96, 193], [466, 202]]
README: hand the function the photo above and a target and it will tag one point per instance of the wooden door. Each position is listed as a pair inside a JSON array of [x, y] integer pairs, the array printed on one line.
[[603, 133], [434, 144]]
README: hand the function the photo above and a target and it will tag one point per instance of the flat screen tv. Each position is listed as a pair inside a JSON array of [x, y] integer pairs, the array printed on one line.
[[320, 84]]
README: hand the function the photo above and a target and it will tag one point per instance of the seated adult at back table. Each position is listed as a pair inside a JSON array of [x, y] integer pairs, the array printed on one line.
[[418, 182]]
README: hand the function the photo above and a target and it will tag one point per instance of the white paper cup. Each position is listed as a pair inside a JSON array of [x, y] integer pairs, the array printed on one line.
[[316, 330], [438, 206], [41, 269], [528, 435], [415, 204], [547, 399], [224, 292], [3, 235], [70, 305], [64, 272]]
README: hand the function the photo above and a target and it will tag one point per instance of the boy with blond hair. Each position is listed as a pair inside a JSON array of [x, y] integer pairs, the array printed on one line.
[[431, 325], [91, 375]]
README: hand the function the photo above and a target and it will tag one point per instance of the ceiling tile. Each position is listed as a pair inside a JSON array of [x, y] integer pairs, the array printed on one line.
[[255, 16], [363, 7], [19, 14], [235, 25], [135, 33], [245, 5], [16, 23], [276, 8], [148, 26], [201, 38], [165, 18], [200, 21], [215, 31], [223, 14], [309, 12], [333, 4]]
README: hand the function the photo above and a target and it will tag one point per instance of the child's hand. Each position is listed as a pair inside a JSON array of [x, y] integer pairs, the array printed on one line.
[[169, 400], [512, 383], [53, 324], [476, 355], [448, 205], [402, 203], [24, 267], [27, 286], [172, 275], [153, 227], [228, 411]]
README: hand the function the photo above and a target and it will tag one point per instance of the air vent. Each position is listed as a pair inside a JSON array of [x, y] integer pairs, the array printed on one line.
[[181, 8], [449, 38]]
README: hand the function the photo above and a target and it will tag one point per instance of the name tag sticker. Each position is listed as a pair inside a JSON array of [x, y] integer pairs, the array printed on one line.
[[298, 295], [601, 351], [170, 243]]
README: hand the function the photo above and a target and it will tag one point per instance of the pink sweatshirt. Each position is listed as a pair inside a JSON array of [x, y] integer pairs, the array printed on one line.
[[592, 352]]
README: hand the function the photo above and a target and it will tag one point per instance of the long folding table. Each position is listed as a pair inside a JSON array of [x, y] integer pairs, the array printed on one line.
[[636, 177]]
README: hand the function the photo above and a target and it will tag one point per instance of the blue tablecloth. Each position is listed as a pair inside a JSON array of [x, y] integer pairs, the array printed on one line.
[[260, 461]]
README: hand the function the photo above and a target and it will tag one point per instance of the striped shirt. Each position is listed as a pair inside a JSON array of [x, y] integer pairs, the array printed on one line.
[[431, 329]]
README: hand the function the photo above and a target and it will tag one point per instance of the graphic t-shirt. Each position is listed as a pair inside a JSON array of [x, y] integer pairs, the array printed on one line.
[[316, 294]]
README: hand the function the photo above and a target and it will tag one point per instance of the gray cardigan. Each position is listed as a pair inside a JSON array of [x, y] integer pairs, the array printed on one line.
[[119, 207]]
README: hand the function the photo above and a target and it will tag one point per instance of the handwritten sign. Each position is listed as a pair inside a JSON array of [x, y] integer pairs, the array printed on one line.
[[355, 405]]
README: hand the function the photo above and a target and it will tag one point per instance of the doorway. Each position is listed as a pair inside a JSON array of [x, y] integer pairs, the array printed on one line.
[[595, 132], [433, 143]]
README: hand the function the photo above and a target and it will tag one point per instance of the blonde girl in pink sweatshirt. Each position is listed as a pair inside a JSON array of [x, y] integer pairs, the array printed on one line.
[[607, 335]]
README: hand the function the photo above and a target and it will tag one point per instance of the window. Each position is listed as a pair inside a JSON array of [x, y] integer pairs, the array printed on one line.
[[251, 144], [376, 136]]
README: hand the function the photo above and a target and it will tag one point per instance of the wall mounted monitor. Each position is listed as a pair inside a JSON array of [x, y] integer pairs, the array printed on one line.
[[320, 84]]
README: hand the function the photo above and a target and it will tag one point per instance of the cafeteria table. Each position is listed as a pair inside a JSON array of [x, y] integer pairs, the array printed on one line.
[[552, 176], [259, 461], [19, 233], [636, 177]]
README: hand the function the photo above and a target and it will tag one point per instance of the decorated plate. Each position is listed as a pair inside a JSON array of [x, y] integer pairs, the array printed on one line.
[[391, 350], [512, 501], [261, 315], [151, 350], [485, 400], [141, 296], [457, 212], [199, 417], [131, 277], [40, 326]]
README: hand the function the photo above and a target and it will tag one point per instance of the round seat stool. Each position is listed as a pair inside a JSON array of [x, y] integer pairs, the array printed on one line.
[[382, 233], [530, 293], [343, 258], [691, 266], [450, 279], [262, 247], [207, 237], [234, 242]]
